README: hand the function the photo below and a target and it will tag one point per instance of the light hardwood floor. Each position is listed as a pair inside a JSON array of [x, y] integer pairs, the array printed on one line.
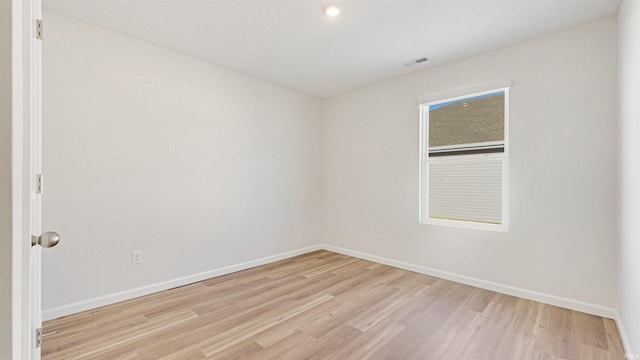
[[324, 305]]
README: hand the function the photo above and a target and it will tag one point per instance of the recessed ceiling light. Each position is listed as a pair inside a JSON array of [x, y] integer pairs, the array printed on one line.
[[332, 10]]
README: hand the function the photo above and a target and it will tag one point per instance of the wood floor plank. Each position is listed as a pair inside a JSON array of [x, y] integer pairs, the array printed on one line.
[[324, 305], [375, 339]]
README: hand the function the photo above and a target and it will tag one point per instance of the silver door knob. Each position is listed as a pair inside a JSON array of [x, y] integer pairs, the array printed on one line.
[[48, 239]]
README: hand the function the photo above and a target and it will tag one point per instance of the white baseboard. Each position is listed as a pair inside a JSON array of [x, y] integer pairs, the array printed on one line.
[[623, 335], [79, 306], [577, 305]]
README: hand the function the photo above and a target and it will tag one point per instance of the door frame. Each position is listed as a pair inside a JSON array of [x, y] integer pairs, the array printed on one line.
[[26, 87]]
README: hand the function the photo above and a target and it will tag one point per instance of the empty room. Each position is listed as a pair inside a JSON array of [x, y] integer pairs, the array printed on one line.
[[306, 179]]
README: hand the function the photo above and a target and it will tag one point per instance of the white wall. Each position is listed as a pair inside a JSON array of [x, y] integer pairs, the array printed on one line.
[[629, 77], [145, 149], [563, 168], [5, 179]]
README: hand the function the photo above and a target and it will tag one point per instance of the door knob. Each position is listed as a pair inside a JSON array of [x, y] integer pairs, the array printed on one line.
[[48, 239]]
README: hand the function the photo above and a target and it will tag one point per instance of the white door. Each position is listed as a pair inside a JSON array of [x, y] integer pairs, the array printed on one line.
[[37, 186], [39, 239]]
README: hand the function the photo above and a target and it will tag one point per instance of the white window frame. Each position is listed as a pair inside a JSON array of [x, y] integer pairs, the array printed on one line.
[[424, 217]]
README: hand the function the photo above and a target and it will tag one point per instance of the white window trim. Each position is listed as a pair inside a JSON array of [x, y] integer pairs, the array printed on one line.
[[469, 146], [425, 159]]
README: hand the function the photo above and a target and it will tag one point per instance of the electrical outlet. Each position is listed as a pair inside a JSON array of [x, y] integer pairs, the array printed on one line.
[[136, 257], [379, 235]]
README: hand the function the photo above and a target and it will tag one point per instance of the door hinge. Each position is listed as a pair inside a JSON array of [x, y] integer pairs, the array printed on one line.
[[38, 337], [39, 29], [39, 184]]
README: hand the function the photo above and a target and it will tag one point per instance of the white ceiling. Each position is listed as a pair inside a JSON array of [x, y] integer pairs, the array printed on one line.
[[292, 42]]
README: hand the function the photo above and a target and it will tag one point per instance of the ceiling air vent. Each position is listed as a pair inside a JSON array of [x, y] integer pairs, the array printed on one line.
[[417, 61]]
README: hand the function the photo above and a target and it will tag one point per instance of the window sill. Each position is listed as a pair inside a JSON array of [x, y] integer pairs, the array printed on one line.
[[467, 224]]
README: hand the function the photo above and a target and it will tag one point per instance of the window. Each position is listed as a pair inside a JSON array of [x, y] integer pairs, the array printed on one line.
[[464, 160]]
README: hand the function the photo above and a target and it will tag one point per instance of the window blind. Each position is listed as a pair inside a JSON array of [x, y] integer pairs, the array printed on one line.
[[466, 190]]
